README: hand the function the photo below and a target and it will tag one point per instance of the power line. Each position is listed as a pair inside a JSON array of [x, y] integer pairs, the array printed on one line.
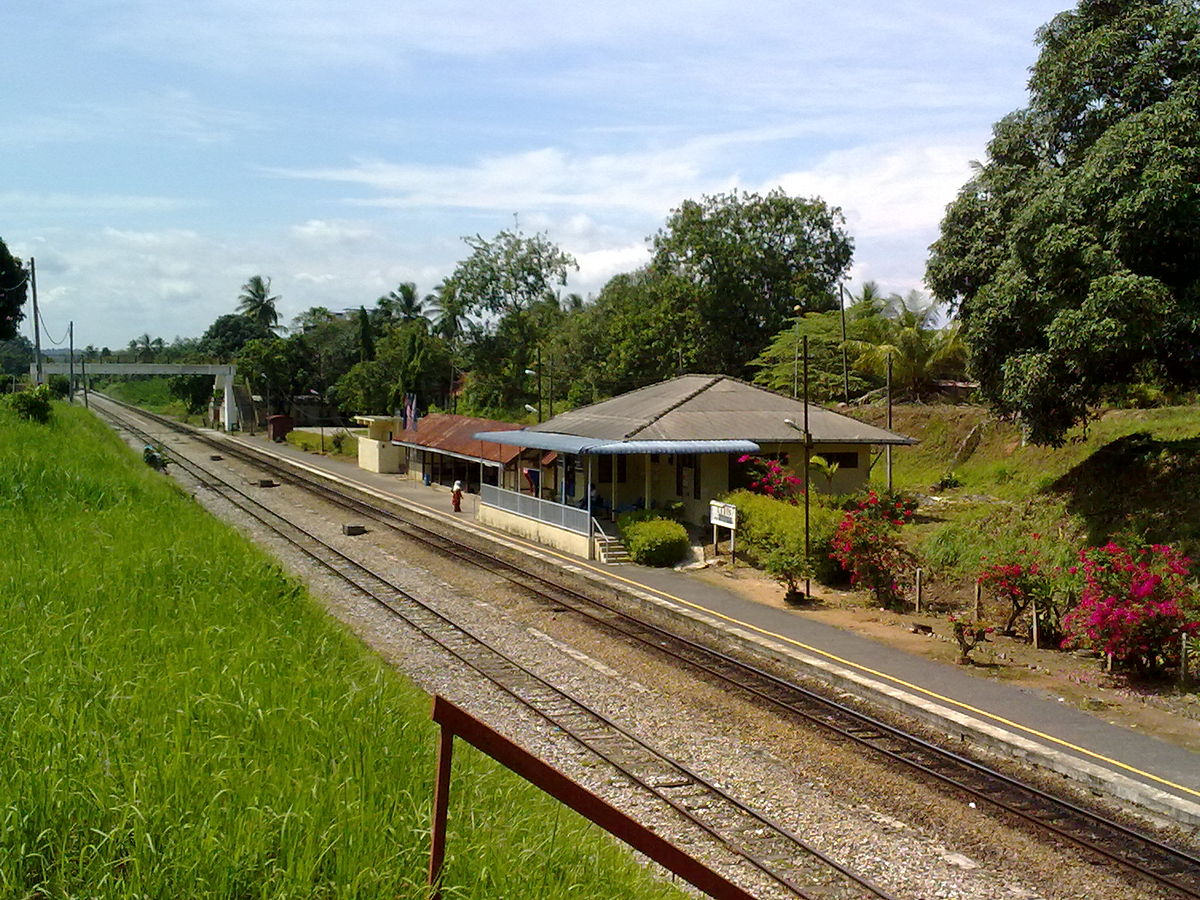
[[47, 330]]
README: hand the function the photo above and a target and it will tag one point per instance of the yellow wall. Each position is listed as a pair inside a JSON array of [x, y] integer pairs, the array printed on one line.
[[378, 456], [540, 532]]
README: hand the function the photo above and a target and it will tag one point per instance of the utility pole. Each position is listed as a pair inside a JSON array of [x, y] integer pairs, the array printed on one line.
[[845, 366], [807, 457], [889, 421], [71, 359], [37, 331]]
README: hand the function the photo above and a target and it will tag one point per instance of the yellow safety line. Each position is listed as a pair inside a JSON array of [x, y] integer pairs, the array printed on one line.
[[817, 650]]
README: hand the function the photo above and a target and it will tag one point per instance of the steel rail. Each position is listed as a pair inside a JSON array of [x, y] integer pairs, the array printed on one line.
[[1168, 866], [776, 852]]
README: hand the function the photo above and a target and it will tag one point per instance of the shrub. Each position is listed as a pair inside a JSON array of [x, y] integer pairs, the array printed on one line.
[[968, 636], [1014, 584], [60, 386], [33, 404], [655, 542], [765, 525], [1134, 605], [869, 548], [788, 565]]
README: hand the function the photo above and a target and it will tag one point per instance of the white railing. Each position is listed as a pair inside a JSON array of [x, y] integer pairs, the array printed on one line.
[[569, 518]]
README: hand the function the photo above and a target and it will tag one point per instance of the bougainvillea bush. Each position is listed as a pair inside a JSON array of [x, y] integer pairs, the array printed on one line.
[[1135, 605], [1013, 584], [897, 508], [770, 478], [867, 545]]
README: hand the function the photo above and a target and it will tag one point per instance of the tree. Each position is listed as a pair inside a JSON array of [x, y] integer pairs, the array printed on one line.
[[1073, 254], [400, 305], [907, 339], [366, 336], [512, 278], [256, 303], [146, 348], [16, 355], [226, 336], [14, 283], [750, 259]]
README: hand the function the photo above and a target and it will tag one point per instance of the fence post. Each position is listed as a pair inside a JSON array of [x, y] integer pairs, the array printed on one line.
[[1183, 660], [978, 598], [1036, 645], [918, 589]]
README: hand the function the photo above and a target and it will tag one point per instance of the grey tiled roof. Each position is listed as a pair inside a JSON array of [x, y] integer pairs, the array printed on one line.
[[713, 407]]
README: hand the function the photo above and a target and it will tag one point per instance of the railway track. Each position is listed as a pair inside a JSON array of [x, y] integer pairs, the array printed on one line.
[[775, 854], [1139, 854]]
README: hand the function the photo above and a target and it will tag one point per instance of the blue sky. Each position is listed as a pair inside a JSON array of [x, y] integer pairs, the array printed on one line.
[[156, 154]]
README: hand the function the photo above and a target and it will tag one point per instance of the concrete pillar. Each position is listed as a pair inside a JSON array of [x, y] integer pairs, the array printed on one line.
[[229, 413]]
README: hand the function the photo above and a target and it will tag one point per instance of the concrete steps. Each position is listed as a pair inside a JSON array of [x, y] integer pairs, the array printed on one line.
[[612, 552]]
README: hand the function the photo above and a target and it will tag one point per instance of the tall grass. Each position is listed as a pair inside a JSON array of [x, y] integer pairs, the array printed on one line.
[[178, 718]]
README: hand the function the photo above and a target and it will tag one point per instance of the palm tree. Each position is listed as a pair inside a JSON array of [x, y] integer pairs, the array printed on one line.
[[919, 352], [145, 347], [401, 304], [256, 303], [448, 312]]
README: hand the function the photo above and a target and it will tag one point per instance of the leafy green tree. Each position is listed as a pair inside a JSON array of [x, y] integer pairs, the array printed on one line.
[[225, 337], [16, 355], [750, 259], [366, 336], [145, 348], [13, 289], [274, 368], [256, 303], [1073, 254], [510, 281], [194, 391], [780, 367]]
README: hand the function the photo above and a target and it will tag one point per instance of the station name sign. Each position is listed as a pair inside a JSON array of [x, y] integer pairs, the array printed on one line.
[[723, 514]]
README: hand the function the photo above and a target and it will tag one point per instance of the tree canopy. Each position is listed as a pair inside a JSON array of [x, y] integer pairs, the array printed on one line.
[[750, 260], [1073, 254], [13, 289]]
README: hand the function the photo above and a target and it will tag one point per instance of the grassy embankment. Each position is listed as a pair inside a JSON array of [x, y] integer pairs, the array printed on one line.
[[1130, 475], [178, 718]]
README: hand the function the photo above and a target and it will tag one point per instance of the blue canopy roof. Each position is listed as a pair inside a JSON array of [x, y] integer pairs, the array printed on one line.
[[573, 443]]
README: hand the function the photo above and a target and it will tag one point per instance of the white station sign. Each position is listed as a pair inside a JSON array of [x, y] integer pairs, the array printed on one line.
[[723, 514]]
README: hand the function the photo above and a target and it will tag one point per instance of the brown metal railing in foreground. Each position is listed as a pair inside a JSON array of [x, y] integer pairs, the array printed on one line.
[[456, 722]]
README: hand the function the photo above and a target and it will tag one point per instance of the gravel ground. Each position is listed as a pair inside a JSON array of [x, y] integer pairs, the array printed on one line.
[[910, 839]]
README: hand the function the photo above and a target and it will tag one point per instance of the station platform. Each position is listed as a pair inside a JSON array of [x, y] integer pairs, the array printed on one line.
[[1160, 777]]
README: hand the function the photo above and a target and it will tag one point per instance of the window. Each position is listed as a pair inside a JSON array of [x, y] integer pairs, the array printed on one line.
[[845, 460], [606, 468]]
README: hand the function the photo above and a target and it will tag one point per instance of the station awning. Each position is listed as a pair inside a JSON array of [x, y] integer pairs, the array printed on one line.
[[573, 443]]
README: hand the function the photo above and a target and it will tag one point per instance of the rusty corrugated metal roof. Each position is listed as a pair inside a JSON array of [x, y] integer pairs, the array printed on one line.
[[713, 407], [456, 434]]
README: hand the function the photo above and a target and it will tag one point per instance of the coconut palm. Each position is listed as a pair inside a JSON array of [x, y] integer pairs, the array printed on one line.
[[256, 303], [919, 351], [400, 305]]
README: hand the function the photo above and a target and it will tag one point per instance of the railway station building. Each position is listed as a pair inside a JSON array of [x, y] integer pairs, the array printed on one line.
[[673, 445]]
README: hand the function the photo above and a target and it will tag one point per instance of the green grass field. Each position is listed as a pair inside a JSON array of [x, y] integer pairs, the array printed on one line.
[[178, 718], [1130, 474]]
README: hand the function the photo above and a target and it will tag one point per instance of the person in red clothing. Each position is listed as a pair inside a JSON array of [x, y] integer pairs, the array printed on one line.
[[456, 496]]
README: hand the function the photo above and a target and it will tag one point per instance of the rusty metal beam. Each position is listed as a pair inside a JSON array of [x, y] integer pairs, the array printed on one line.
[[457, 722]]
